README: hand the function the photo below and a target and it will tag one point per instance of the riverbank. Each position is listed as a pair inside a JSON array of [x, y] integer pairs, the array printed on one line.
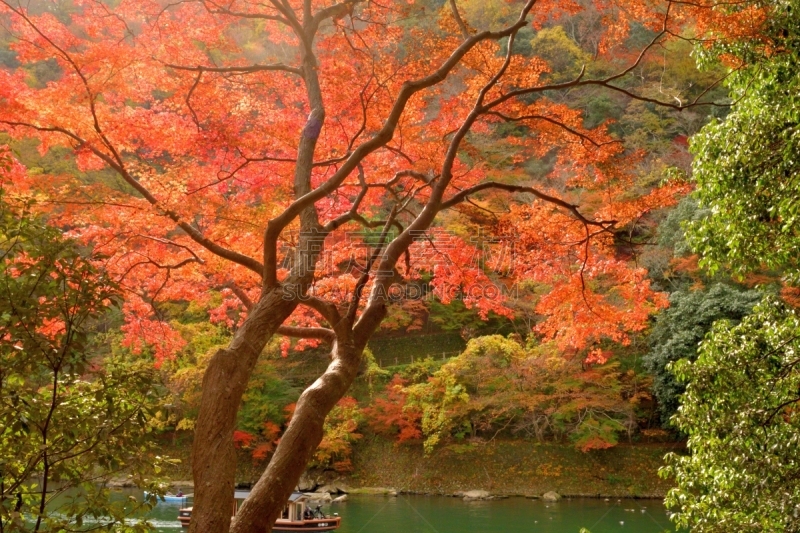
[[501, 467], [513, 468]]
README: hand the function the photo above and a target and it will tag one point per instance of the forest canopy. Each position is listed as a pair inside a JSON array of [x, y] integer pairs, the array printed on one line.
[[283, 176]]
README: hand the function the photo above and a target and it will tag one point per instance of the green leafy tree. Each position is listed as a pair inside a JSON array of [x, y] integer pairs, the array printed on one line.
[[439, 401], [671, 263], [740, 406], [561, 53], [680, 328], [68, 421], [266, 398], [746, 167], [741, 411]]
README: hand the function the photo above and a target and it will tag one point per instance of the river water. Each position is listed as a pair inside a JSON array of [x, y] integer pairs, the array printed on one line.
[[437, 514]]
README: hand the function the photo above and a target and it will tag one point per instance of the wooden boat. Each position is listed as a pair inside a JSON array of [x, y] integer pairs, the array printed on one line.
[[297, 515], [172, 498]]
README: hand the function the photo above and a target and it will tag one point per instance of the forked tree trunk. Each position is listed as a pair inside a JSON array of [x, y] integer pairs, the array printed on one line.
[[300, 441], [298, 444], [224, 383]]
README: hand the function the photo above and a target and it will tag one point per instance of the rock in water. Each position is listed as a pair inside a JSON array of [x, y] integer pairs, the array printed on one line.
[[306, 483], [551, 496], [317, 498], [476, 495], [340, 499]]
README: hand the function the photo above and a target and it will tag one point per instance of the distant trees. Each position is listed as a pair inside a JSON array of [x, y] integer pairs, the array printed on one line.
[[498, 385], [392, 415]]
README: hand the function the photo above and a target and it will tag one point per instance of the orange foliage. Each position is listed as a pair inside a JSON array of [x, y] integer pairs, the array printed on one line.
[[271, 434], [242, 439], [392, 416], [791, 295], [200, 113]]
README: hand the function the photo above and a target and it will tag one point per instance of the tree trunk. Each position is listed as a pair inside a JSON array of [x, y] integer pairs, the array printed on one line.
[[224, 383], [299, 442]]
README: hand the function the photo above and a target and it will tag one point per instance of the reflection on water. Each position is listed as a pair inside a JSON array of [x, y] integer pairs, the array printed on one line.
[[451, 515], [437, 514]]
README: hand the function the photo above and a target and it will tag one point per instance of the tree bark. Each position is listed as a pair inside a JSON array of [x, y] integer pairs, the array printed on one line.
[[224, 383], [269, 496], [305, 431]]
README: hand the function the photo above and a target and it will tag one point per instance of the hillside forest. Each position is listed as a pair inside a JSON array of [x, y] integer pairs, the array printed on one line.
[[274, 231]]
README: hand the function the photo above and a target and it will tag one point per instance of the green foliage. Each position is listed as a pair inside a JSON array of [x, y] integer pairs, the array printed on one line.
[[746, 166], [42, 72], [486, 14], [68, 420], [266, 398], [740, 411], [436, 400], [498, 384], [680, 328], [671, 233], [563, 55], [669, 263], [372, 370], [8, 58], [339, 435], [184, 374], [740, 405], [649, 126], [600, 109], [401, 350], [456, 316], [421, 370], [59, 161]]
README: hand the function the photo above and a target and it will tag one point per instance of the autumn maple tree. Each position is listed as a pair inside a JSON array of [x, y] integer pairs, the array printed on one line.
[[294, 156]]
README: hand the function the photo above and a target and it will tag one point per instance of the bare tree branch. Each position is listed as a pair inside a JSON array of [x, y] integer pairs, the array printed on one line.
[[554, 122], [380, 139], [239, 292], [308, 333], [325, 308], [239, 70], [463, 195], [459, 20]]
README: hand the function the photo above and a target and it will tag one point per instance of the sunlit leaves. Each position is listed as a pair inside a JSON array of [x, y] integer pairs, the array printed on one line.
[[746, 166], [199, 111], [740, 411]]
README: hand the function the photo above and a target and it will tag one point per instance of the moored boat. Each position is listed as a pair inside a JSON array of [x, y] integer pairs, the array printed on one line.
[[297, 515], [172, 498]]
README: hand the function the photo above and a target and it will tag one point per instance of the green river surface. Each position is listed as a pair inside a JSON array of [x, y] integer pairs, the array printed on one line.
[[439, 514]]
